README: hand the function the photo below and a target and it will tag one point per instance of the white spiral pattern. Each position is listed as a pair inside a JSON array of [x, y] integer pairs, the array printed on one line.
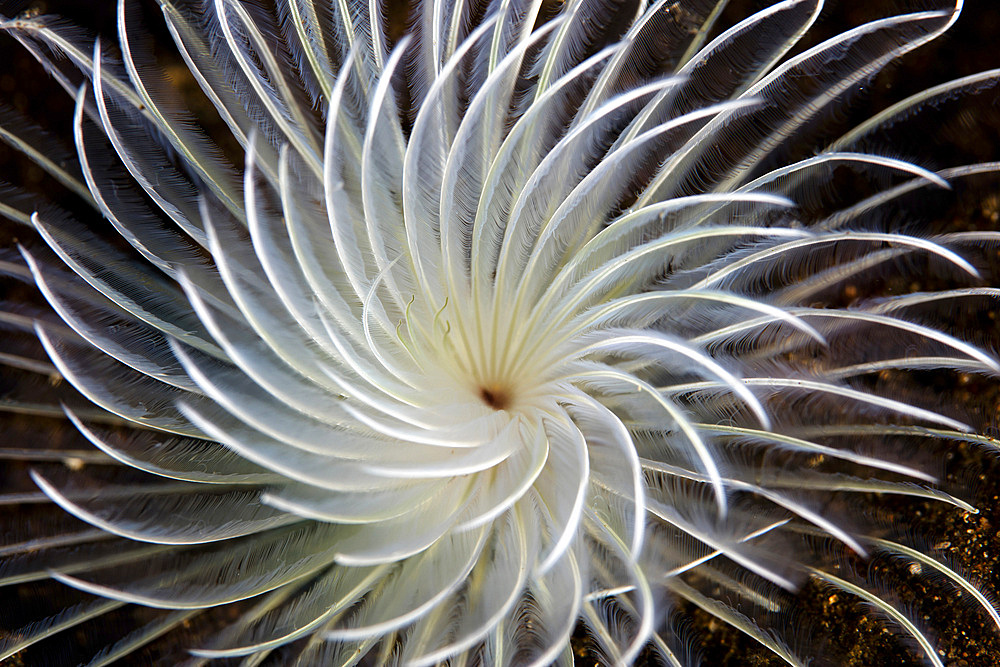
[[503, 325]]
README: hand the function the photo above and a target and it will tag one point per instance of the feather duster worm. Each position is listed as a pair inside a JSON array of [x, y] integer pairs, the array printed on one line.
[[509, 322]]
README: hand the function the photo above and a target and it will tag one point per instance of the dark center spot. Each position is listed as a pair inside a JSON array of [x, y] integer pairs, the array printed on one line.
[[495, 397]]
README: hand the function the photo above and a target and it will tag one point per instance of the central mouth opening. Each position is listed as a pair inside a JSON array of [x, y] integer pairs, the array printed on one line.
[[495, 397]]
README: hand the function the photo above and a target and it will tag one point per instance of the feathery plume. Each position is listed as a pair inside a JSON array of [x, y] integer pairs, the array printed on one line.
[[510, 322]]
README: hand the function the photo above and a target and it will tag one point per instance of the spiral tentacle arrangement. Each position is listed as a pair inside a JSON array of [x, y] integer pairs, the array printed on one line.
[[511, 320]]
